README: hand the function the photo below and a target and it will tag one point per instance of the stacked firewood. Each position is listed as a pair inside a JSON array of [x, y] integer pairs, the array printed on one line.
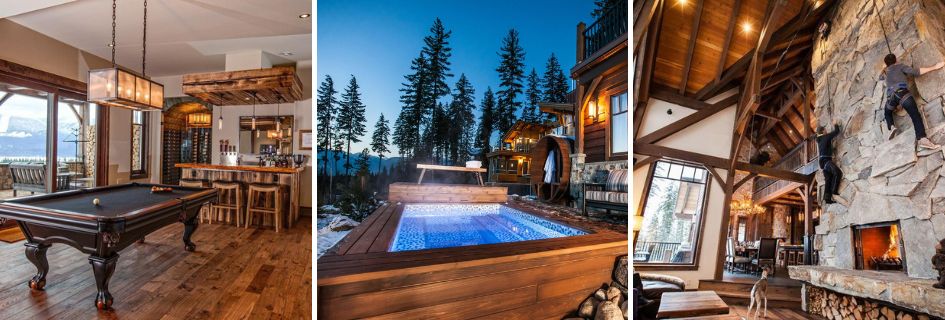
[[938, 262], [834, 306]]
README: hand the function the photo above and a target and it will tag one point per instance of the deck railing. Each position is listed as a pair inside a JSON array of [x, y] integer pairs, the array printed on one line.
[[794, 160], [652, 251], [611, 25]]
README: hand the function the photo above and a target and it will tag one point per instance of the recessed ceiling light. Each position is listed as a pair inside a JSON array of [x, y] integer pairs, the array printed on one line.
[[746, 27], [286, 53], [110, 45], [305, 15]]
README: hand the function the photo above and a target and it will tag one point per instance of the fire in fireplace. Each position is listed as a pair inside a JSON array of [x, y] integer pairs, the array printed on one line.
[[878, 247]]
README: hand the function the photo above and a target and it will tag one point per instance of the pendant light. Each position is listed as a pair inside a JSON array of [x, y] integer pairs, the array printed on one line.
[[254, 112], [119, 87], [279, 117], [220, 120]]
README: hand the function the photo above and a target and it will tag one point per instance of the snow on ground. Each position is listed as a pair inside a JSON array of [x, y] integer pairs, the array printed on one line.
[[326, 237]]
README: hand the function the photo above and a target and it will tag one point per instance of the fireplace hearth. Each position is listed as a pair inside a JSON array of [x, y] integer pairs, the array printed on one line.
[[878, 246]]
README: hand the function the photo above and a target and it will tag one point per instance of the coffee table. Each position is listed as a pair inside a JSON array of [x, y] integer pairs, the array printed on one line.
[[690, 304]]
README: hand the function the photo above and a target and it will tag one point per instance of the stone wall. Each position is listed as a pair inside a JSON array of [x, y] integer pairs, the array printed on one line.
[[780, 223], [883, 180], [581, 172]]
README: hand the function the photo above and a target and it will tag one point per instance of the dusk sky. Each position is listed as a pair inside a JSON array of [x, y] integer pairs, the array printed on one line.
[[376, 40]]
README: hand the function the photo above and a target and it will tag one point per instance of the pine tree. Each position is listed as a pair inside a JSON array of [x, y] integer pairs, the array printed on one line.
[[413, 112], [602, 6], [326, 109], [379, 140], [437, 51], [363, 163], [461, 121], [486, 124], [533, 94], [556, 84], [510, 80], [351, 119]]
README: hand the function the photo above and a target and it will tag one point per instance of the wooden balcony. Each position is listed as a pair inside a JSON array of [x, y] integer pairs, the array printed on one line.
[[610, 26], [802, 159]]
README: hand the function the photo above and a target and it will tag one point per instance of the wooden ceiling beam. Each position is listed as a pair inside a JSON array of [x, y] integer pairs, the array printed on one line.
[[734, 72], [729, 32], [6, 97], [649, 62], [644, 11], [687, 64], [668, 94], [687, 121], [716, 162]]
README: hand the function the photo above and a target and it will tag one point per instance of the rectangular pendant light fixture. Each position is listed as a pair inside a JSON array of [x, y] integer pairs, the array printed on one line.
[[117, 87]]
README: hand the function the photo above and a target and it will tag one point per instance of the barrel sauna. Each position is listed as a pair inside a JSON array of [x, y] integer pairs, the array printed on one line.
[[556, 191]]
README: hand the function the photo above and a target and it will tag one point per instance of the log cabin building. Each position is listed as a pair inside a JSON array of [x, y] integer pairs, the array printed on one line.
[[729, 96]]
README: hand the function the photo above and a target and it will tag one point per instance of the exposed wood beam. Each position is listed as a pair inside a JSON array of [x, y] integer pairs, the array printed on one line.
[[644, 162], [649, 62], [662, 92], [687, 66], [744, 180], [687, 121], [729, 31], [6, 97], [718, 177], [779, 146], [641, 20], [733, 72], [716, 162]]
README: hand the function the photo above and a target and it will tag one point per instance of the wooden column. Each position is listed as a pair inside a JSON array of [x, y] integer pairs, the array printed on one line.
[[52, 117], [808, 223]]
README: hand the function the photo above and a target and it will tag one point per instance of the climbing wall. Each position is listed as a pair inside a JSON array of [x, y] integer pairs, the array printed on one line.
[[884, 180]]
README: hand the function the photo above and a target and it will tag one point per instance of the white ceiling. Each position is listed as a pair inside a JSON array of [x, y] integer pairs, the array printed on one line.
[[184, 36]]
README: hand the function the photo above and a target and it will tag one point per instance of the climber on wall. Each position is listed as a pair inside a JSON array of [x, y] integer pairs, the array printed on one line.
[[832, 174], [897, 94]]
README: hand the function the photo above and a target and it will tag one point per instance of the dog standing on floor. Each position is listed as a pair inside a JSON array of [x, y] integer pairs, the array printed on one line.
[[759, 294]]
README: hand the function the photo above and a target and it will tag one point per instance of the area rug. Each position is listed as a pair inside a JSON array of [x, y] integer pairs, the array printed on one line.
[[11, 235]]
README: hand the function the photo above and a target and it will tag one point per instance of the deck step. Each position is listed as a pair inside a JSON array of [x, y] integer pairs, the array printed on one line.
[[739, 293]]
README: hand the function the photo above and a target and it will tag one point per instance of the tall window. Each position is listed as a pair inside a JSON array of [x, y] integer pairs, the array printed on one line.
[[742, 229], [139, 129], [672, 215], [619, 124]]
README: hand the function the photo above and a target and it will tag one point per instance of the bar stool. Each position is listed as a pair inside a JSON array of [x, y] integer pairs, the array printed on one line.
[[229, 201], [264, 199]]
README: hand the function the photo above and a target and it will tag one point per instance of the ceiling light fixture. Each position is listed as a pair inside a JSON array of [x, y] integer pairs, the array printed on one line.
[[746, 27], [305, 15], [120, 87], [286, 53]]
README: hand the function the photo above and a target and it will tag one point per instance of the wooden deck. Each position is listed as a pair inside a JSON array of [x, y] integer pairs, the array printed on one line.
[[521, 280], [235, 273], [449, 193]]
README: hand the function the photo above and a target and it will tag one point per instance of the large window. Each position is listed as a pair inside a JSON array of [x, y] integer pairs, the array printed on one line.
[[139, 129], [619, 124], [672, 216]]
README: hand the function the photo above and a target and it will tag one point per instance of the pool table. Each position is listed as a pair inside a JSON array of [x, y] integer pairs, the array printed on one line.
[[124, 214]]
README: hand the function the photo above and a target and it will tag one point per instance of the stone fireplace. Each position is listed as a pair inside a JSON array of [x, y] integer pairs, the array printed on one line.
[[877, 247], [895, 194]]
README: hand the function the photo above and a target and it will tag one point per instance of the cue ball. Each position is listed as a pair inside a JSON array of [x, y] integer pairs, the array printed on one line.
[[95, 201]]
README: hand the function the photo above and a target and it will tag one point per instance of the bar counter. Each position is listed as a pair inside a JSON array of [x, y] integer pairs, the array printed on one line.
[[289, 178]]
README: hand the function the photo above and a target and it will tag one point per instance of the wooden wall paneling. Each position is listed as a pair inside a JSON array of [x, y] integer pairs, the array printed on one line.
[[691, 47]]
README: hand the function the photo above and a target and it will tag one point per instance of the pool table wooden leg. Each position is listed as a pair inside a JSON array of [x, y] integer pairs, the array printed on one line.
[[190, 226], [103, 268], [36, 253]]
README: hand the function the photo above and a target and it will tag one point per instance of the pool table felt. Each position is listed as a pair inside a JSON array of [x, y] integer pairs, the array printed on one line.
[[112, 202]]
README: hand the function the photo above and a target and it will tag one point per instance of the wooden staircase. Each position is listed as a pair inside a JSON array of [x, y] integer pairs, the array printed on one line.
[[738, 293]]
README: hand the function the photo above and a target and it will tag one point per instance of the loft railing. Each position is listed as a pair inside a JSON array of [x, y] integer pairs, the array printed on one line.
[[611, 25], [795, 161]]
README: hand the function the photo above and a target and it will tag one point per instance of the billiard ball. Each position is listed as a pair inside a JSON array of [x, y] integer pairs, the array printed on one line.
[[96, 201]]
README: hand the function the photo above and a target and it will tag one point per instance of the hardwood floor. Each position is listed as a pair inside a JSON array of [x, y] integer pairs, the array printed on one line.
[[235, 273], [773, 313]]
